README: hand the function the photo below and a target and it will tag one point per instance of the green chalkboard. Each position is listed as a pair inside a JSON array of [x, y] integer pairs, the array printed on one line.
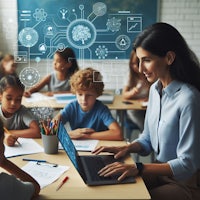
[[101, 30]]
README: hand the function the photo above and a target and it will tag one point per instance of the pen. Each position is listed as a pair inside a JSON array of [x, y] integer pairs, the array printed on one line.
[[7, 131], [62, 183], [18, 143], [34, 160]]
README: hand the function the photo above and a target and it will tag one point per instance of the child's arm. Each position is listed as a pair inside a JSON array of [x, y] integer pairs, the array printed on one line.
[[113, 133], [57, 118], [80, 133], [16, 171], [128, 93], [38, 86], [32, 132]]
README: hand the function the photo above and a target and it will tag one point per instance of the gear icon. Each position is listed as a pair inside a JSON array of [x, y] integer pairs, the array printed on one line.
[[29, 76], [101, 52], [113, 24]]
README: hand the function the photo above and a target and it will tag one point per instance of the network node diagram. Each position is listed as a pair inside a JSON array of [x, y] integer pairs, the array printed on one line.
[[98, 31]]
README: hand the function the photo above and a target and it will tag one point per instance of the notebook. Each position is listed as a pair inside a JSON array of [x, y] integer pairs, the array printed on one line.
[[64, 98], [67, 98], [106, 98], [88, 165]]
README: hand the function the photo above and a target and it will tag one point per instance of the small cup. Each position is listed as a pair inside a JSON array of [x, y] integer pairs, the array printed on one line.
[[50, 144]]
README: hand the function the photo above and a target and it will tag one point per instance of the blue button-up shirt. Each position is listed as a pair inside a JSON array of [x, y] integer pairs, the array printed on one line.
[[172, 127]]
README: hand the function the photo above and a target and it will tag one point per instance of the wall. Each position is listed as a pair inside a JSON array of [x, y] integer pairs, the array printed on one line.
[[183, 14], [8, 26]]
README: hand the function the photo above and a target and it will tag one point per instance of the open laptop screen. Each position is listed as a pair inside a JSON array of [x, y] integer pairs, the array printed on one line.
[[67, 144], [88, 166]]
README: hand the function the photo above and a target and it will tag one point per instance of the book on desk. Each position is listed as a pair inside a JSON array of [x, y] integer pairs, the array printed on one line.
[[106, 98], [67, 98]]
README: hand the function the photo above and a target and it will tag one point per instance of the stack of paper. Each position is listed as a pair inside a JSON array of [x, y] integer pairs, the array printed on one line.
[[83, 145], [106, 98], [64, 98], [27, 146], [44, 173], [37, 96]]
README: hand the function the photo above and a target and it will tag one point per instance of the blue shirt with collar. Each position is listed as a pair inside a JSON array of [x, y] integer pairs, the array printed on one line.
[[172, 127]]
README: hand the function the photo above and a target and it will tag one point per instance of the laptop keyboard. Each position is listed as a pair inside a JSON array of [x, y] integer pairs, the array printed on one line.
[[94, 165]]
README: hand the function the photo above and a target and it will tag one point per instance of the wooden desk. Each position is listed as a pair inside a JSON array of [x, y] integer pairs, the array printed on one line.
[[122, 107], [75, 188], [116, 105]]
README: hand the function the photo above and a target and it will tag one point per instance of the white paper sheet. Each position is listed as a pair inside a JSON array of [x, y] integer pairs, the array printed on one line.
[[64, 98], [83, 145], [27, 146], [106, 98], [37, 96], [44, 173]]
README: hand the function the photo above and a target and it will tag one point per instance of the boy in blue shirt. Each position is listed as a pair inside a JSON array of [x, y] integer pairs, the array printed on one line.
[[88, 117]]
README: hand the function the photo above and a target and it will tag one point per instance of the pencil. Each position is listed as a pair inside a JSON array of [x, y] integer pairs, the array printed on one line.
[[18, 143], [45, 128], [8, 132], [62, 183]]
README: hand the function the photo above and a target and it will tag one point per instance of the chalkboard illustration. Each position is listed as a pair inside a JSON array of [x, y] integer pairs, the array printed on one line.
[[101, 30], [81, 34], [28, 37], [94, 29], [29, 76]]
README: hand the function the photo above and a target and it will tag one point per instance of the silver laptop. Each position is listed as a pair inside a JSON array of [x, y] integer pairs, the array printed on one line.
[[89, 165]]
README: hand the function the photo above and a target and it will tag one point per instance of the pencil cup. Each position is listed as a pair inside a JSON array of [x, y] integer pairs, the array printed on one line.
[[50, 144]]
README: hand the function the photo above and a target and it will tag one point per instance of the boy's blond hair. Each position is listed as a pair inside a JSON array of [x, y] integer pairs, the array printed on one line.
[[87, 79]]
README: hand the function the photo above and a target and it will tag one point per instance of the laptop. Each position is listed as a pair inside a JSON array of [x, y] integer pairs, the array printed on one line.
[[89, 165]]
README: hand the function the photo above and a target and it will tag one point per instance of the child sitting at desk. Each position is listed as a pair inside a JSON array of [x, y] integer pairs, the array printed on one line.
[[88, 117], [10, 185], [137, 87], [16, 117], [65, 64]]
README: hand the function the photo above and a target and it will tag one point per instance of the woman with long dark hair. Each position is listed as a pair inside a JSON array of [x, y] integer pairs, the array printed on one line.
[[172, 128]]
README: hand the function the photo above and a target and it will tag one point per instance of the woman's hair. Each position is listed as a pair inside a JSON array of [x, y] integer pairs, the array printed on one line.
[[10, 81], [69, 56], [160, 38], [87, 79]]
